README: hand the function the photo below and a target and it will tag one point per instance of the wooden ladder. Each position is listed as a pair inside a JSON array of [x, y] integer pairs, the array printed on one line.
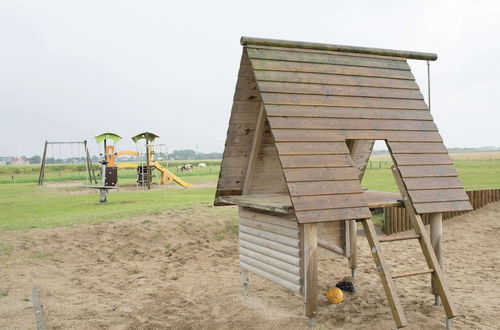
[[434, 268]]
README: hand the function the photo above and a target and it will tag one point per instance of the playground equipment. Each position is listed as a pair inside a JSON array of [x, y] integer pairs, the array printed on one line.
[[304, 120], [144, 172], [110, 164], [88, 161]]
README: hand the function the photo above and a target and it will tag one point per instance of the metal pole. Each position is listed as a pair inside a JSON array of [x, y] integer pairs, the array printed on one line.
[[429, 84], [42, 166], [148, 176]]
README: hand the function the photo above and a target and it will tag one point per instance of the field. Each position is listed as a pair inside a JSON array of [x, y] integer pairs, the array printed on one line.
[[166, 258]]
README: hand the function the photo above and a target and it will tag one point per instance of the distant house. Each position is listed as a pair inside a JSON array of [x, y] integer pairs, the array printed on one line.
[[20, 161], [6, 160]]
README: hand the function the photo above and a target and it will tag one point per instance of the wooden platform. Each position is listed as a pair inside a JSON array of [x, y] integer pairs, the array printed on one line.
[[283, 204]]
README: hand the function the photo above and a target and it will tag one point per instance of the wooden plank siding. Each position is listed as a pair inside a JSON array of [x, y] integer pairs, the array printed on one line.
[[270, 247]]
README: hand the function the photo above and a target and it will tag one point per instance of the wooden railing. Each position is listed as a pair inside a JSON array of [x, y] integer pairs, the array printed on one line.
[[396, 220]]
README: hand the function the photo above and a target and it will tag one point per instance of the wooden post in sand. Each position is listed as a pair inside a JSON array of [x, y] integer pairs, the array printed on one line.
[[353, 256], [436, 228], [310, 268]]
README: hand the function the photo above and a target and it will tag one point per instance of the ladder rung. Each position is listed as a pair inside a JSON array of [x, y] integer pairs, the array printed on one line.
[[418, 272], [398, 238]]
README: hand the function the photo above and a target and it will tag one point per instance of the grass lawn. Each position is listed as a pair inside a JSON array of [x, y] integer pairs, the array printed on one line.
[[27, 206], [24, 205]]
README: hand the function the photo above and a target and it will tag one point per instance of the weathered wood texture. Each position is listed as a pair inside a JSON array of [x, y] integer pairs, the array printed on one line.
[[240, 133], [322, 105], [396, 219], [270, 247]]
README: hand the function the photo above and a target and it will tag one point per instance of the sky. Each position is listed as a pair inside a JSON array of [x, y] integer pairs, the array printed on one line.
[[70, 70]]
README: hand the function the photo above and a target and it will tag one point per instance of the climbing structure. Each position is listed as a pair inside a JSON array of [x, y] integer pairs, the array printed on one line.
[[302, 127]]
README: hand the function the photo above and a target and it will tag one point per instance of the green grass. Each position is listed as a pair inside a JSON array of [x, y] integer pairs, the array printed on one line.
[[474, 174], [27, 206], [24, 205]]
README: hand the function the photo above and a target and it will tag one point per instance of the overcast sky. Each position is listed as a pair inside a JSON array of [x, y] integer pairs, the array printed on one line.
[[70, 70]]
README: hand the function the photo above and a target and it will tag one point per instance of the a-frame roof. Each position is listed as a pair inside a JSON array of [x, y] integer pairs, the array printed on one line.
[[316, 98]]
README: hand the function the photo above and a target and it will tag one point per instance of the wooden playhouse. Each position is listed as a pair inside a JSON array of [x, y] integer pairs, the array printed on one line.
[[303, 123]]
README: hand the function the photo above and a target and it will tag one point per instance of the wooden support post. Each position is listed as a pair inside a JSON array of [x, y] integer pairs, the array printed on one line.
[[436, 229], [42, 166], [310, 267], [353, 258]]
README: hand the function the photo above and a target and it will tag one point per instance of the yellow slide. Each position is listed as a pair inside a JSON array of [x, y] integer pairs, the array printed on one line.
[[167, 176]]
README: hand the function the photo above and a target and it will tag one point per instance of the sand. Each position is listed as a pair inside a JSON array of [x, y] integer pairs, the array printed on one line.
[[179, 270]]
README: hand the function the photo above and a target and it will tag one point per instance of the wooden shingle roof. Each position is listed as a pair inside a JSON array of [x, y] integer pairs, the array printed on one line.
[[316, 97]]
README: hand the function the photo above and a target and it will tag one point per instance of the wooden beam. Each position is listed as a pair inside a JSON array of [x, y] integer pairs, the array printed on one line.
[[330, 246], [436, 229], [427, 249], [252, 159], [416, 272], [310, 267], [385, 274]]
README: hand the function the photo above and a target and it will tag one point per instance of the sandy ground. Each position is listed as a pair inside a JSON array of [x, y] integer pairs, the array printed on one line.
[[179, 270]]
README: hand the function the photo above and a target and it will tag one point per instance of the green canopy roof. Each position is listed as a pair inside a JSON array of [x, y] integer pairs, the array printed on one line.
[[110, 136], [151, 137]]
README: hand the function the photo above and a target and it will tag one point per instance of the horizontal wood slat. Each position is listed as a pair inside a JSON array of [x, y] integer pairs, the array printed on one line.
[[442, 195], [285, 55], [422, 159], [289, 222], [433, 183], [312, 148], [295, 161], [270, 227], [305, 203], [292, 260], [417, 148], [270, 236], [333, 214], [292, 278], [309, 135], [287, 249], [338, 90], [347, 124], [320, 174], [323, 188], [331, 69], [334, 79], [341, 101], [442, 207], [341, 112], [427, 171], [276, 279], [270, 261]]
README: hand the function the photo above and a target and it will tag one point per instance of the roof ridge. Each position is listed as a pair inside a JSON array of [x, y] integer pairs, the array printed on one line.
[[339, 48]]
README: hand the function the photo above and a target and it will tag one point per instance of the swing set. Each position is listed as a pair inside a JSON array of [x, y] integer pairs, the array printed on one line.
[[91, 177]]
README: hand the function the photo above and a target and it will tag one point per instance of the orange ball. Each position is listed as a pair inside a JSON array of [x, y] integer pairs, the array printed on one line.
[[334, 295]]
